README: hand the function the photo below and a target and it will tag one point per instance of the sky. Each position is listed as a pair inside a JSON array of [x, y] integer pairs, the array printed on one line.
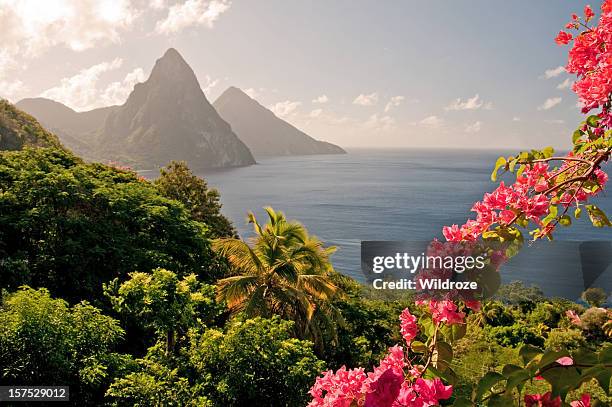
[[385, 74]]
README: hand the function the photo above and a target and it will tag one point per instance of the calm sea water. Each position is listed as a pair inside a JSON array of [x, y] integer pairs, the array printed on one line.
[[393, 195]]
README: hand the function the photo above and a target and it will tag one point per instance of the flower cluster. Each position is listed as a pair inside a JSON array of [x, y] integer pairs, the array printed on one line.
[[445, 311], [395, 382], [530, 196], [591, 59], [534, 197], [408, 326], [545, 400]]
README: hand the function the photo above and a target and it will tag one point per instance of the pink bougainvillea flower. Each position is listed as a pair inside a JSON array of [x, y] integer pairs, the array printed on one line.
[[431, 391], [588, 13], [408, 326], [565, 361], [585, 401], [339, 389], [563, 38], [542, 400], [474, 305], [573, 317], [445, 311], [383, 391], [452, 233]]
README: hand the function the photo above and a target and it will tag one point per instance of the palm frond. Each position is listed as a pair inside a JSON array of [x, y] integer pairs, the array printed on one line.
[[320, 287], [239, 254], [234, 290]]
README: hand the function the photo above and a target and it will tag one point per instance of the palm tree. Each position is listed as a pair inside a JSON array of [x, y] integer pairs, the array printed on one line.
[[282, 270]]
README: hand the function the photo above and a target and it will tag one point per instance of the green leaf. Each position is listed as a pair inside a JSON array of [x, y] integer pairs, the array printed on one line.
[[442, 371], [577, 213], [584, 357], [552, 214], [501, 161], [528, 352], [444, 351], [509, 369], [576, 136], [605, 354], [548, 152], [486, 383], [551, 356], [458, 331], [512, 163], [597, 216], [562, 380], [462, 402], [517, 379], [565, 220], [599, 373], [593, 120], [501, 400], [418, 347]]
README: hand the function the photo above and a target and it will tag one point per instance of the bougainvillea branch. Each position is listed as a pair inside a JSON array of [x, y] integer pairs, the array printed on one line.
[[539, 199]]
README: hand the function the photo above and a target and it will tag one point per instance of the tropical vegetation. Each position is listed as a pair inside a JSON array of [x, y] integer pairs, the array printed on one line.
[[140, 293]]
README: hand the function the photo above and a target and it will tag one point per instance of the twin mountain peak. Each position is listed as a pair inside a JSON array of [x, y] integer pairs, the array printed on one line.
[[169, 118]]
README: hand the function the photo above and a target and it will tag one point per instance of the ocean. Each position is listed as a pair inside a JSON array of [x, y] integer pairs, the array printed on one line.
[[398, 195]]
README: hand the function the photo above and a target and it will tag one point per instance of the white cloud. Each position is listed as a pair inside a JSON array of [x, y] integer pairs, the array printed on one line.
[[555, 121], [82, 93], [554, 72], [321, 99], [284, 109], [380, 122], [315, 113], [190, 13], [252, 92], [12, 91], [472, 103], [209, 84], [549, 103], [29, 27], [566, 84], [117, 92], [394, 101], [516, 119], [366, 100], [474, 127], [433, 122], [157, 4]]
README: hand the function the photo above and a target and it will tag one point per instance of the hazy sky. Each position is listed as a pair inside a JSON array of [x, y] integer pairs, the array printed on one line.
[[462, 73]]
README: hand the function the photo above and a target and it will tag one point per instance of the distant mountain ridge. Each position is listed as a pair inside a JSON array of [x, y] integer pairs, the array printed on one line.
[[18, 130], [263, 132], [165, 118], [169, 118], [77, 130]]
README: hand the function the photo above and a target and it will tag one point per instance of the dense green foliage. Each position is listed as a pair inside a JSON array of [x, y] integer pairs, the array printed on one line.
[[179, 323], [176, 181], [45, 341], [71, 226], [253, 362], [18, 129], [162, 303], [595, 296]]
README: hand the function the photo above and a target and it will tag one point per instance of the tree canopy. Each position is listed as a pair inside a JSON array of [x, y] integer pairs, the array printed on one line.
[[70, 226]]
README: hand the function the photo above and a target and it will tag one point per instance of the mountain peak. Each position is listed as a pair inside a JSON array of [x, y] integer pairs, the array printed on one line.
[[233, 92], [172, 66], [263, 132]]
